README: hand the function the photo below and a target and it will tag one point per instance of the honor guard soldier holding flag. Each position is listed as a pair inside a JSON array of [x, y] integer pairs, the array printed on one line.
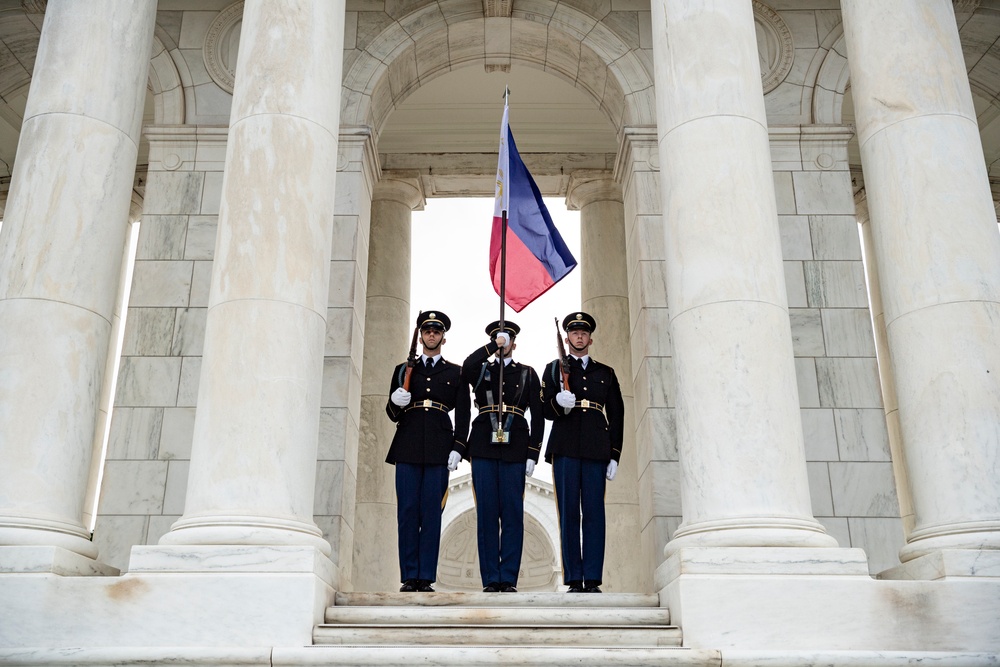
[[503, 449], [424, 390], [583, 399]]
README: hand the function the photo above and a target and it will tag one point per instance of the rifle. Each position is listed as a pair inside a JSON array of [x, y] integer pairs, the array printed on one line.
[[411, 358], [563, 359]]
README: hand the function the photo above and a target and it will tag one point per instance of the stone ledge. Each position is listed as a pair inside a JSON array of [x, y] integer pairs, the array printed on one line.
[[945, 564], [51, 560]]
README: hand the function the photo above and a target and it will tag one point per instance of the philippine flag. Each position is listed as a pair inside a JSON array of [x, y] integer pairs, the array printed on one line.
[[537, 256]]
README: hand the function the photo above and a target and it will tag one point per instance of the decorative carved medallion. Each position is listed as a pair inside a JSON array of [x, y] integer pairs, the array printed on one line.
[[221, 45], [774, 46]]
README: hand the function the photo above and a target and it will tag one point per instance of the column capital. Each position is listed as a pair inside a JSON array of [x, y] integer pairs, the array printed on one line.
[[587, 186], [404, 187]]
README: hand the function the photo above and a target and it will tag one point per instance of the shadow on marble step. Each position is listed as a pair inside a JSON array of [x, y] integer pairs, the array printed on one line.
[[484, 635], [604, 616], [497, 599]]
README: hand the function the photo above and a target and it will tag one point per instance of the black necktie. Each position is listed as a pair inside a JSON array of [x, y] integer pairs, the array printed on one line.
[[428, 363]]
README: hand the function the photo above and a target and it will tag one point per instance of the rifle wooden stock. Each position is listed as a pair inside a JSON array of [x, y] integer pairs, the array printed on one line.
[[411, 358], [563, 361]]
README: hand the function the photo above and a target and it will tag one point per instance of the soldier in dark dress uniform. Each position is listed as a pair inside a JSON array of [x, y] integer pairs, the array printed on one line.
[[421, 448], [499, 468], [584, 447]]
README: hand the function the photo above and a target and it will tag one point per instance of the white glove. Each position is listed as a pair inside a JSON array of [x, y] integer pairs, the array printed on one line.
[[453, 460], [400, 397], [503, 340], [566, 399], [612, 469], [529, 468]]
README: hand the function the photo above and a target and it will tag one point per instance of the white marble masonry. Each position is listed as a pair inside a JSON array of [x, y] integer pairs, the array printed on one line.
[[744, 480], [935, 238], [61, 249], [253, 459]]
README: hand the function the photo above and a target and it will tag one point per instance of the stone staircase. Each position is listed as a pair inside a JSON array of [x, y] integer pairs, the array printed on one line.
[[501, 628]]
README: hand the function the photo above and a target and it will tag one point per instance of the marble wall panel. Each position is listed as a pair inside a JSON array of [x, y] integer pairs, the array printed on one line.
[[862, 434], [802, 24], [161, 237], [350, 30], [148, 381], [786, 152], [805, 376], [796, 242], [880, 538], [784, 103], [645, 27], [848, 332], [333, 423], [157, 283], [650, 336], [201, 283], [575, 24], [187, 389], [114, 536], [660, 490], [174, 193], [328, 499], [466, 40], [807, 332], [823, 192], [795, 285], [336, 370], [625, 24], [212, 195], [176, 487], [820, 434], [837, 528], [210, 156], [432, 52], [835, 284], [133, 487], [135, 433], [848, 382], [528, 41], [189, 332], [654, 384], [340, 330], [591, 73], [343, 275], [657, 430], [562, 54], [863, 489], [176, 434], [835, 236], [194, 28], [819, 488], [148, 331], [199, 241], [784, 193], [211, 106], [344, 238], [159, 525]]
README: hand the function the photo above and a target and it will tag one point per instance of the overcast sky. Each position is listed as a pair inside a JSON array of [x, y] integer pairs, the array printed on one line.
[[457, 282]]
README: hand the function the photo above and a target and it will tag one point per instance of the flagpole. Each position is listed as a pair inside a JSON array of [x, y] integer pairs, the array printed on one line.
[[500, 435]]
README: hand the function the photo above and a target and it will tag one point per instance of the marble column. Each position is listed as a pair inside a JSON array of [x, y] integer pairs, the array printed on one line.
[[253, 458], [739, 433], [604, 287], [935, 238], [61, 251], [387, 337]]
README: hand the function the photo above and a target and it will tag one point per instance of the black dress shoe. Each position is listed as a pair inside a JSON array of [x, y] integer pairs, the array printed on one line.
[[575, 586], [491, 587], [408, 586], [507, 587], [424, 586], [593, 589]]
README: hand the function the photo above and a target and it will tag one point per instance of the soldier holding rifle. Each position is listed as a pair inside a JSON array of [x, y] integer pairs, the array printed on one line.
[[503, 450], [423, 391], [583, 399]]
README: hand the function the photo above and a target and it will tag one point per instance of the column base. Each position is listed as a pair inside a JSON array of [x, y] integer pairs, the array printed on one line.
[[15, 531], [947, 564], [972, 535], [249, 531], [765, 532], [764, 599], [51, 560]]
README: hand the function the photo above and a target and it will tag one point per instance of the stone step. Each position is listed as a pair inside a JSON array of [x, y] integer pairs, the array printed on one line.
[[498, 635], [546, 599], [503, 616], [496, 656]]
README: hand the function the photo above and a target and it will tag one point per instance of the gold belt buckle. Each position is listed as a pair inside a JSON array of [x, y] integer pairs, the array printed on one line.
[[585, 403]]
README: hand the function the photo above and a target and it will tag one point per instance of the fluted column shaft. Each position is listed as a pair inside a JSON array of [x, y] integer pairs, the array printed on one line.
[[935, 237], [387, 336], [739, 433], [61, 251], [253, 458]]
